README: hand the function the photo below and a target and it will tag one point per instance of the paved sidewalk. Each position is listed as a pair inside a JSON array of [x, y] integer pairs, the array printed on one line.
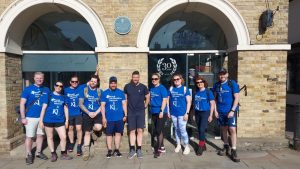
[[280, 159], [274, 159]]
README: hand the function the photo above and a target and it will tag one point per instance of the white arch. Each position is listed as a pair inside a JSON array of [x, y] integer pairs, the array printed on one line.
[[225, 7], [15, 9]]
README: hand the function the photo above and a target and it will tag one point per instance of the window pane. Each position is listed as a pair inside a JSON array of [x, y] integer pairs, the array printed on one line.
[[59, 31], [187, 31]]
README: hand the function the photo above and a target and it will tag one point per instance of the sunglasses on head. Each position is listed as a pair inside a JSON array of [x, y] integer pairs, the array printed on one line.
[[74, 81], [57, 85]]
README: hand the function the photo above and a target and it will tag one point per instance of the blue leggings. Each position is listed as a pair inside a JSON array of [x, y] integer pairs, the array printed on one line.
[[202, 121]]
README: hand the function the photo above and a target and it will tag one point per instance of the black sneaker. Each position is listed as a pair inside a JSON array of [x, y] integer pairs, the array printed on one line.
[[199, 151], [224, 151], [234, 156], [29, 159], [109, 154], [117, 153], [42, 156], [70, 147], [156, 154], [79, 150], [53, 157]]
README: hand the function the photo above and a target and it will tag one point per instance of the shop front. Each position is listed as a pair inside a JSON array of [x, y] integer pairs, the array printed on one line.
[[191, 37]]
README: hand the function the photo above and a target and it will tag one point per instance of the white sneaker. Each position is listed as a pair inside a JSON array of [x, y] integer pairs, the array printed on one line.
[[178, 148], [187, 150]]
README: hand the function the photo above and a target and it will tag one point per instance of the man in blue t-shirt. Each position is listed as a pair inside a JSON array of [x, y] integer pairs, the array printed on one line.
[[138, 98], [89, 103], [227, 97], [114, 114], [30, 110], [75, 116]]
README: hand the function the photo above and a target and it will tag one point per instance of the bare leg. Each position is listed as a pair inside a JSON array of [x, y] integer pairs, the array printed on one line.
[[232, 131], [117, 140], [87, 138], [79, 134], [224, 130], [28, 145], [97, 127], [139, 137], [49, 132], [61, 131], [71, 134], [132, 138], [109, 142]]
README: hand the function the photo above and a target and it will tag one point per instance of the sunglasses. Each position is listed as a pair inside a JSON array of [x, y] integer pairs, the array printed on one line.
[[176, 79], [61, 86], [74, 81], [199, 82], [154, 78]]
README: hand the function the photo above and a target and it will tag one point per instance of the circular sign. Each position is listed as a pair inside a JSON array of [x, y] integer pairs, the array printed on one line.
[[122, 25]]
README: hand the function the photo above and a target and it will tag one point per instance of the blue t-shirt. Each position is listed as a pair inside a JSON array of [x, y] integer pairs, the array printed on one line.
[[178, 100], [31, 93], [224, 95], [113, 104], [55, 109], [202, 100], [157, 94], [72, 99], [92, 101]]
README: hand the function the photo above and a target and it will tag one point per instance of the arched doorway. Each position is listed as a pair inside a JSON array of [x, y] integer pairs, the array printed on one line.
[[191, 37], [60, 45], [57, 37]]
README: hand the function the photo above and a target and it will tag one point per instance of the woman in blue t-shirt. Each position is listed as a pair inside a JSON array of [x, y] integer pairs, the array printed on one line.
[[55, 115], [204, 105], [158, 101], [180, 104]]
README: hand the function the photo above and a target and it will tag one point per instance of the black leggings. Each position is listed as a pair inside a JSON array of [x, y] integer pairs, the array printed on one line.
[[158, 124]]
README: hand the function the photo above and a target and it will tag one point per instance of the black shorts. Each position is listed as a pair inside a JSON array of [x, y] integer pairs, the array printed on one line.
[[75, 120], [136, 121], [88, 122], [54, 125], [158, 123]]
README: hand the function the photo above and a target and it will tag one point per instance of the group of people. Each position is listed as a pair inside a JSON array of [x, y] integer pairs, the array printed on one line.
[[88, 109]]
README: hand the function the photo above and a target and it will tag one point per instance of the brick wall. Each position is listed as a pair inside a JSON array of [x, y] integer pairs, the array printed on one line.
[[122, 65], [10, 88], [136, 10], [262, 113], [251, 11]]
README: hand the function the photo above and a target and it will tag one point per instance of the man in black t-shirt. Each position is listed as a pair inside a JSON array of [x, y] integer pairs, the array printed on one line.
[[138, 98]]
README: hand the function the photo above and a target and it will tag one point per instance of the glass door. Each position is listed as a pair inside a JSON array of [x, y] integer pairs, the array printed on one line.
[[190, 65]]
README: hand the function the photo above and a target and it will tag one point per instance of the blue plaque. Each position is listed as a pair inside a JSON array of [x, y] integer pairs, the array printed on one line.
[[122, 25]]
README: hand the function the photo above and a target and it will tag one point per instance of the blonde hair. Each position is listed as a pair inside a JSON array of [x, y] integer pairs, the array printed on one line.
[[156, 74], [38, 73]]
